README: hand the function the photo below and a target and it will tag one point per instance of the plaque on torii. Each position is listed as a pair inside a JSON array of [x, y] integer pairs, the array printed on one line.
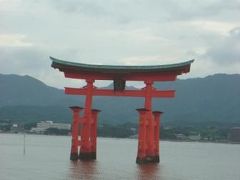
[[84, 129]]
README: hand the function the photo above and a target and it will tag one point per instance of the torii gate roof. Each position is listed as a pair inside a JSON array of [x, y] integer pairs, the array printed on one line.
[[183, 67], [119, 75]]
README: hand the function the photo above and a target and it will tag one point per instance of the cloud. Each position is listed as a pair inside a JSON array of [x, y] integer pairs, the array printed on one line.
[[15, 40], [87, 7], [221, 28], [23, 60], [35, 62], [155, 10], [228, 51], [122, 32]]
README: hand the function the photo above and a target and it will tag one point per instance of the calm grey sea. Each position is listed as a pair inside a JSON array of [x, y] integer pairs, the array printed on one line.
[[47, 158]]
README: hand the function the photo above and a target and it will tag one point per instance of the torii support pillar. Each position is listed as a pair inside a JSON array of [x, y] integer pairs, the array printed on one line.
[[156, 115], [93, 136], [75, 132], [148, 136], [142, 141]]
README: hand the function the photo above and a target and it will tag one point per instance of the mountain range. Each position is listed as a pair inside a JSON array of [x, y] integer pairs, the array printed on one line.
[[215, 98]]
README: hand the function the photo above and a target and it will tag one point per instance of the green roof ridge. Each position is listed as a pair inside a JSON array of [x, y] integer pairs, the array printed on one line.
[[117, 67]]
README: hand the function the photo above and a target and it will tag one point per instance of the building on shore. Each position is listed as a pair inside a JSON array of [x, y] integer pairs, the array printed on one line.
[[17, 128], [235, 134], [43, 126], [196, 137], [181, 137]]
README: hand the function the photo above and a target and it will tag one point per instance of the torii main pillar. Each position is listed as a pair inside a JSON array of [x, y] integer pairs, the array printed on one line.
[[84, 129], [85, 150], [149, 130]]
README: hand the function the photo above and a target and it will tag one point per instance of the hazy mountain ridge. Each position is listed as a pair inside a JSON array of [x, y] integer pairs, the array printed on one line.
[[26, 90], [213, 98]]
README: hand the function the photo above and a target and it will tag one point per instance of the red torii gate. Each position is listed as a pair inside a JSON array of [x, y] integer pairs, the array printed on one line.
[[84, 129]]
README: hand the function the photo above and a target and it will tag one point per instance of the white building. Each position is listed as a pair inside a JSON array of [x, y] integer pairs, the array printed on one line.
[[44, 125], [194, 137]]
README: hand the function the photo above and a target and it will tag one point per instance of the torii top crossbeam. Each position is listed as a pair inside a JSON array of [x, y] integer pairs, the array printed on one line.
[[130, 73], [119, 75]]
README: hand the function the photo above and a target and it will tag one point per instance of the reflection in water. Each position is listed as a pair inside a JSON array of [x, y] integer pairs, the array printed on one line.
[[83, 170], [91, 170], [148, 171]]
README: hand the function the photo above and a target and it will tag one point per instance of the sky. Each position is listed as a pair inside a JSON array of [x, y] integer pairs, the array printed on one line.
[[118, 32]]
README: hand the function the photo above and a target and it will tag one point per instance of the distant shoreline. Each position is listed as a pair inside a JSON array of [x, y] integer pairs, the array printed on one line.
[[166, 140]]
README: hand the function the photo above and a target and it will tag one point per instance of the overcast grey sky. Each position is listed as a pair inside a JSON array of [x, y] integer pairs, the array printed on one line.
[[119, 32]]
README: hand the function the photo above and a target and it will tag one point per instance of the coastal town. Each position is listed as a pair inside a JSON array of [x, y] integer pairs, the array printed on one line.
[[128, 130]]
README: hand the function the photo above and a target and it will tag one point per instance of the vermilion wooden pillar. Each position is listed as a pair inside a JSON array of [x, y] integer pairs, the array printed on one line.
[[149, 121], [148, 95], [157, 133], [94, 133], [85, 150], [150, 132], [75, 128], [142, 138]]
